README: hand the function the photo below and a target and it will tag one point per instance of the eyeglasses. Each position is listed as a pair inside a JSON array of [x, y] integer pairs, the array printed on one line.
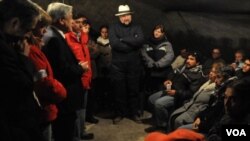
[[247, 64], [215, 52]]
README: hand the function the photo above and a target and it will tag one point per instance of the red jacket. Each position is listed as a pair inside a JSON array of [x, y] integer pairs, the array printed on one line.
[[48, 89], [177, 135], [81, 52]]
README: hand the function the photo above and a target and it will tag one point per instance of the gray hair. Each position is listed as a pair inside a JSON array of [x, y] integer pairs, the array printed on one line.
[[58, 10]]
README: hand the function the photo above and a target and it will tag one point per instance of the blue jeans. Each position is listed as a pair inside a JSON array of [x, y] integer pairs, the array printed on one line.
[[81, 119], [162, 104]]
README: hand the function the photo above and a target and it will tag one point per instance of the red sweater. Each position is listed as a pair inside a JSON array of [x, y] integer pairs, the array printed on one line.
[[48, 89], [81, 52]]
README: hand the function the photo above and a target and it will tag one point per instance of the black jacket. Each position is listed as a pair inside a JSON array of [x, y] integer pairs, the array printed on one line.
[[66, 70], [20, 112], [125, 41]]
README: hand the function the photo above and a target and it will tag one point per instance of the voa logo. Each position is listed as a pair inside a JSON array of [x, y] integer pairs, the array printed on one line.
[[236, 132]]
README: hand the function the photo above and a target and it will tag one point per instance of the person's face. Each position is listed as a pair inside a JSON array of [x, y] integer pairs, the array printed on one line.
[[191, 61], [67, 22], [219, 79], [246, 66], [18, 30], [213, 74], [39, 31], [216, 53], [238, 57], [158, 33], [125, 19], [183, 53], [77, 24], [104, 33]]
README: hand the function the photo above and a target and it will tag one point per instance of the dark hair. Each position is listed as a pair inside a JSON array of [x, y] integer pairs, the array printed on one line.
[[226, 72], [196, 55], [103, 26], [25, 10], [161, 27], [77, 15]]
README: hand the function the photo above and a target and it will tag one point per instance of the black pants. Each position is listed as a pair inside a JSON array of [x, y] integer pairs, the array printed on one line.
[[125, 81]]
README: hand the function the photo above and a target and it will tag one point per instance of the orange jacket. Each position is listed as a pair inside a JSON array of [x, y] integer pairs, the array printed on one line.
[[178, 134]]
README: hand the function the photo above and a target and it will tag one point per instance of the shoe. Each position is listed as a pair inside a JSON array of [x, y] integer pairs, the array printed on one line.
[[136, 119], [155, 128], [87, 136], [149, 121], [92, 120], [117, 119]]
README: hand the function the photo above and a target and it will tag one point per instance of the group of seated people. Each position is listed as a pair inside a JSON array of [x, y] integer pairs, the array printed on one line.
[[200, 100]]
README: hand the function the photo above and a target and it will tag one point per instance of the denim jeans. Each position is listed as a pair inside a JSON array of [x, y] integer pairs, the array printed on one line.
[[162, 105], [81, 119]]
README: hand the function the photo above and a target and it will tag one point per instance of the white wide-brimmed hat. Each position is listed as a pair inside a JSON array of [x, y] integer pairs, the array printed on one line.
[[123, 10]]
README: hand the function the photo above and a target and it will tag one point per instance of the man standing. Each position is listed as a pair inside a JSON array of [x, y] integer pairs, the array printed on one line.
[[66, 69], [19, 106], [126, 39]]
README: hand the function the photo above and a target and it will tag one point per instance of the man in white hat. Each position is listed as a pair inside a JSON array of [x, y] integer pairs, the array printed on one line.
[[126, 39]]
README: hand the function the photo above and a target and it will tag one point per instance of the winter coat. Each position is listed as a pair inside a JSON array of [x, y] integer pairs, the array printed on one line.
[[48, 89], [198, 103], [158, 55], [20, 111], [125, 41], [81, 52], [103, 60], [66, 69]]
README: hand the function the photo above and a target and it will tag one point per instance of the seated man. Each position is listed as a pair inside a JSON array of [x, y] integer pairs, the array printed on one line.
[[199, 102], [185, 81]]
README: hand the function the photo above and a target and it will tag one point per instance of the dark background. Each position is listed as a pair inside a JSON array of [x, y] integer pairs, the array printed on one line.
[[195, 24]]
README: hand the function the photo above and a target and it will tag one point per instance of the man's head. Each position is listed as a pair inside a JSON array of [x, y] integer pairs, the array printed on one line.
[[216, 53], [193, 59], [246, 66], [78, 22], [215, 70], [183, 52], [124, 14], [17, 18], [239, 55], [224, 73], [61, 15]]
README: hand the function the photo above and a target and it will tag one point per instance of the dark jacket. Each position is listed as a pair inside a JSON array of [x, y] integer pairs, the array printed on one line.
[[66, 69], [20, 112], [158, 55], [186, 82], [125, 42]]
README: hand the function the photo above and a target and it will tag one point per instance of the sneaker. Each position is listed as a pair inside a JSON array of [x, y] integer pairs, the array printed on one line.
[[136, 119], [92, 120], [87, 136], [117, 119]]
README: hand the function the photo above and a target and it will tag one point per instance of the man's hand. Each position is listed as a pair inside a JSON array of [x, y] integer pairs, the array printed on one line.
[[167, 82], [85, 28], [84, 65], [196, 124], [171, 92]]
